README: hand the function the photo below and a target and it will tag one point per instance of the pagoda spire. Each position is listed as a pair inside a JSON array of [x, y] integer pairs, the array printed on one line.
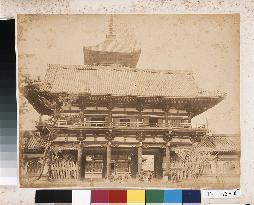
[[111, 27], [111, 24]]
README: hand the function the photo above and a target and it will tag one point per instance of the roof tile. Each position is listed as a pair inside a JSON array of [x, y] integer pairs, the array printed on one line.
[[123, 81]]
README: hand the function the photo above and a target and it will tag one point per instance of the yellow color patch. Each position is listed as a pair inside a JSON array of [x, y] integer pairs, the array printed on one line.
[[136, 196]]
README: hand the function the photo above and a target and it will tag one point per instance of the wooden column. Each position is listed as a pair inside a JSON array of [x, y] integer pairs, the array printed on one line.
[[104, 168], [140, 109], [108, 159], [166, 117], [140, 157], [189, 117], [79, 162], [134, 163], [166, 110], [82, 115], [167, 156], [110, 108], [140, 115], [167, 138]]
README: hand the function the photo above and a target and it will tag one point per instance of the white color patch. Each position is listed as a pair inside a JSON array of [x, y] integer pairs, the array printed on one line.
[[81, 197]]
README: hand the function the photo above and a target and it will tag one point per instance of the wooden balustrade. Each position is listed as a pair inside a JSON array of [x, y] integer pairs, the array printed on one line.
[[63, 123]]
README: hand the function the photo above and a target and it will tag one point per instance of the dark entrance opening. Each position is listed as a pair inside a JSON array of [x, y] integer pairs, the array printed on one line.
[[93, 163], [153, 122], [157, 160], [112, 167]]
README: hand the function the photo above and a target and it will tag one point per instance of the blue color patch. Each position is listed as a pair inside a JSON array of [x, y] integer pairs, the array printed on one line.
[[173, 196], [191, 196]]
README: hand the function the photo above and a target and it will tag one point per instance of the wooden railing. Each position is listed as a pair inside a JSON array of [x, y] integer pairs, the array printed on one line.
[[181, 125], [63, 123], [129, 124]]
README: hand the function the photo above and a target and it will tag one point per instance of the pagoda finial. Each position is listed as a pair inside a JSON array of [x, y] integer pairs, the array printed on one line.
[[111, 27]]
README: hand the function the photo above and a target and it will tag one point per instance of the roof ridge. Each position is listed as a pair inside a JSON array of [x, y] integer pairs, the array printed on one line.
[[120, 68], [226, 135]]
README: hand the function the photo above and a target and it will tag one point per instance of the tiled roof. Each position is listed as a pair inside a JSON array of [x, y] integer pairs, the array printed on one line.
[[122, 81], [35, 143], [217, 143], [112, 44]]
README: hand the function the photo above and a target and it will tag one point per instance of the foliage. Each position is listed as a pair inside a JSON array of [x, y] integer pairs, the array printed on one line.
[[194, 159]]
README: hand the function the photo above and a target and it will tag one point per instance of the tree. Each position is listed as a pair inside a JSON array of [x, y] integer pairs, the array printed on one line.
[[193, 161], [46, 129]]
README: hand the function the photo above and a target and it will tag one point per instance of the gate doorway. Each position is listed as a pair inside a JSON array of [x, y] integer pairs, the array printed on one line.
[[148, 162]]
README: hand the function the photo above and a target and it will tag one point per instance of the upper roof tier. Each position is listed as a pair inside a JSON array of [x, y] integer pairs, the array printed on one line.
[[123, 81], [113, 51], [112, 44]]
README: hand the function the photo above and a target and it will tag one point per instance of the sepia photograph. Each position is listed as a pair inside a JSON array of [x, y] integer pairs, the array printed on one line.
[[137, 100]]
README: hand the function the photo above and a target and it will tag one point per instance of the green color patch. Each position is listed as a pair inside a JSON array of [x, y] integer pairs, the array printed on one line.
[[154, 196]]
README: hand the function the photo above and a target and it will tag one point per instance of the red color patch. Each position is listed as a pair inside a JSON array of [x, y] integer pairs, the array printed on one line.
[[118, 196], [99, 196]]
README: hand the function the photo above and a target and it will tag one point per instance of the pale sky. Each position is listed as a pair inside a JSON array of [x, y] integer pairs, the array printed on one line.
[[208, 45]]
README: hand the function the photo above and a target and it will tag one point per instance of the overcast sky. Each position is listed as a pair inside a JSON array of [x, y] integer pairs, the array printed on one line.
[[206, 44]]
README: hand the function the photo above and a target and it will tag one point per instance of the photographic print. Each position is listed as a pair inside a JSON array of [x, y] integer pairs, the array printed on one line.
[[141, 100]]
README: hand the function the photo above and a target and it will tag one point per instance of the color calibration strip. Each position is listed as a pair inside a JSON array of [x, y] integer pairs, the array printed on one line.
[[117, 197]]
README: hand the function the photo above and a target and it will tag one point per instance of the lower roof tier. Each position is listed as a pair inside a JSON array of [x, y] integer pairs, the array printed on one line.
[[45, 102], [119, 86]]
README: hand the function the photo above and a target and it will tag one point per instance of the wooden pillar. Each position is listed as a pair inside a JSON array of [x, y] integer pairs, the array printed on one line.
[[168, 157], [104, 169], [134, 164], [166, 110], [108, 159], [189, 117], [140, 157], [110, 107], [82, 116], [83, 169], [140, 115], [167, 138], [166, 117], [110, 116], [140, 109], [79, 161]]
